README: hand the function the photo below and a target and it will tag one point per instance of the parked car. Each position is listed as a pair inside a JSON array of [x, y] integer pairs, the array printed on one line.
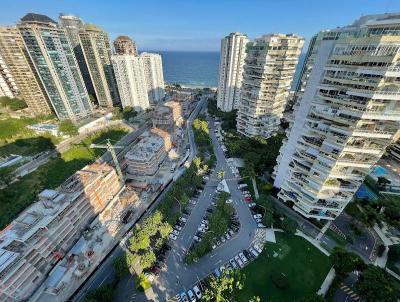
[[253, 252], [252, 205], [233, 263], [248, 199], [243, 257], [260, 225], [184, 297], [191, 295], [178, 227], [239, 261], [197, 238], [257, 248], [229, 200], [183, 219], [204, 221], [197, 292], [217, 273], [258, 220], [227, 236], [175, 232], [173, 237]]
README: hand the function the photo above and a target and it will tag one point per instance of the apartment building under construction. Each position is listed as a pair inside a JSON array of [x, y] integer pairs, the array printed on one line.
[[43, 233]]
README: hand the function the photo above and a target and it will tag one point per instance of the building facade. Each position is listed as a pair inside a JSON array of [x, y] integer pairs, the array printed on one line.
[[233, 53], [72, 25], [14, 54], [269, 68], [43, 233], [53, 58], [131, 81], [145, 158], [153, 72], [124, 45], [97, 52], [7, 83], [347, 115]]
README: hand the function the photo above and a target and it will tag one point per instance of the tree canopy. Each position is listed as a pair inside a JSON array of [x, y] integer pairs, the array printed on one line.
[[345, 262], [67, 127]]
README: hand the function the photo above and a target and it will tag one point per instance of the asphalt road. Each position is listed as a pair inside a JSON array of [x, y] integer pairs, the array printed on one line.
[[178, 276]]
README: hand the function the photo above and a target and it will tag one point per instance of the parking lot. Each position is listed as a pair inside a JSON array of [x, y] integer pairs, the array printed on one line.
[[175, 276]]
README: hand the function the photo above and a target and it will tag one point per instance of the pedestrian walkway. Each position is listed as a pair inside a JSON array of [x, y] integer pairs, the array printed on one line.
[[323, 230], [349, 292], [256, 195], [313, 241], [327, 282]]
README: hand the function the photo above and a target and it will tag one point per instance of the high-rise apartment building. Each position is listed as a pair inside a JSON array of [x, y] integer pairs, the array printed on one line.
[[54, 61], [153, 73], [131, 81], [15, 56], [269, 68], [124, 45], [347, 114], [233, 53], [97, 52], [42, 234], [7, 84], [72, 25]]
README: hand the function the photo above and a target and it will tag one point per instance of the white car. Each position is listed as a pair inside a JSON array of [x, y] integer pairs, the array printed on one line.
[[243, 257], [183, 219], [239, 261], [229, 200], [192, 201], [197, 292], [258, 248], [200, 229], [204, 221], [253, 252], [204, 226], [191, 295], [258, 220], [251, 205], [175, 232], [184, 297], [178, 227], [257, 216], [173, 237], [260, 225], [197, 238], [233, 263]]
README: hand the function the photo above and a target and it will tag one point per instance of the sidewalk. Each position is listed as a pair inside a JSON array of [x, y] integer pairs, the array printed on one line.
[[327, 282], [313, 241]]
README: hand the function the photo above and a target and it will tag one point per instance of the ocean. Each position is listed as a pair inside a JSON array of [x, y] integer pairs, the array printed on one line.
[[198, 69], [190, 68]]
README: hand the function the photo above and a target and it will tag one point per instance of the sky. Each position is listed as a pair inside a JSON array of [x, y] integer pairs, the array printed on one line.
[[199, 25]]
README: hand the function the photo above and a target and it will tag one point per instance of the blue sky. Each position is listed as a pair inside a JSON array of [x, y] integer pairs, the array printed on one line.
[[200, 24]]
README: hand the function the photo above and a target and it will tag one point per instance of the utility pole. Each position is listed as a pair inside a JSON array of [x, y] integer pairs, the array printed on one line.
[[111, 149]]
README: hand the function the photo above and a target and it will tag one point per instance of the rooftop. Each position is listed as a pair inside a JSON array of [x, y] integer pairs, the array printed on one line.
[[32, 17], [145, 149]]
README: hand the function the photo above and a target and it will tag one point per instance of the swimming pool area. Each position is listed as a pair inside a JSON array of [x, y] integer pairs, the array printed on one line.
[[365, 193], [378, 171]]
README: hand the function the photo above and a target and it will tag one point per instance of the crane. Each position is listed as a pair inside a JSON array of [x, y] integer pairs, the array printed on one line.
[[111, 149]]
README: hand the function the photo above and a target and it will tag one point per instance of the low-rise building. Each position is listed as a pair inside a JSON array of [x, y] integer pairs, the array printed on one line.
[[165, 136], [43, 233], [145, 158], [177, 111]]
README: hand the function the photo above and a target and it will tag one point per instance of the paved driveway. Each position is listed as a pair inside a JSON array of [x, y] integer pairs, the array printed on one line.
[[178, 276]]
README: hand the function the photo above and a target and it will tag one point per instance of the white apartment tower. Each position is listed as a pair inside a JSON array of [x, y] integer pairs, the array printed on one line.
[[233, 52], [153, 73], [7, 84], [269, 68], [346, 116], [131, 81]]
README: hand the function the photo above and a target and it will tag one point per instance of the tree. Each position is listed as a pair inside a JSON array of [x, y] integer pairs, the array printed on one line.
[[223, 289], [345, 262], [67, 127], [376, 285], [197, 162], [128, 113], [120, 266], [6, 175], [13, 104], [164, 229], [268, 218], [139, 241], [117, 114], [289, 225], [255, 299], [147, 259], [221, 174], [104, 293]]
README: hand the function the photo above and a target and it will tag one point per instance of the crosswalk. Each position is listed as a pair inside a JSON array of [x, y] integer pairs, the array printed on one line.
[[350, 292], [260, 237]]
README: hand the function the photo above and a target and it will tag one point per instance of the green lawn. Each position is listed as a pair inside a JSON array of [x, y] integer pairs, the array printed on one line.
[[17, 196], [299, 268]]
